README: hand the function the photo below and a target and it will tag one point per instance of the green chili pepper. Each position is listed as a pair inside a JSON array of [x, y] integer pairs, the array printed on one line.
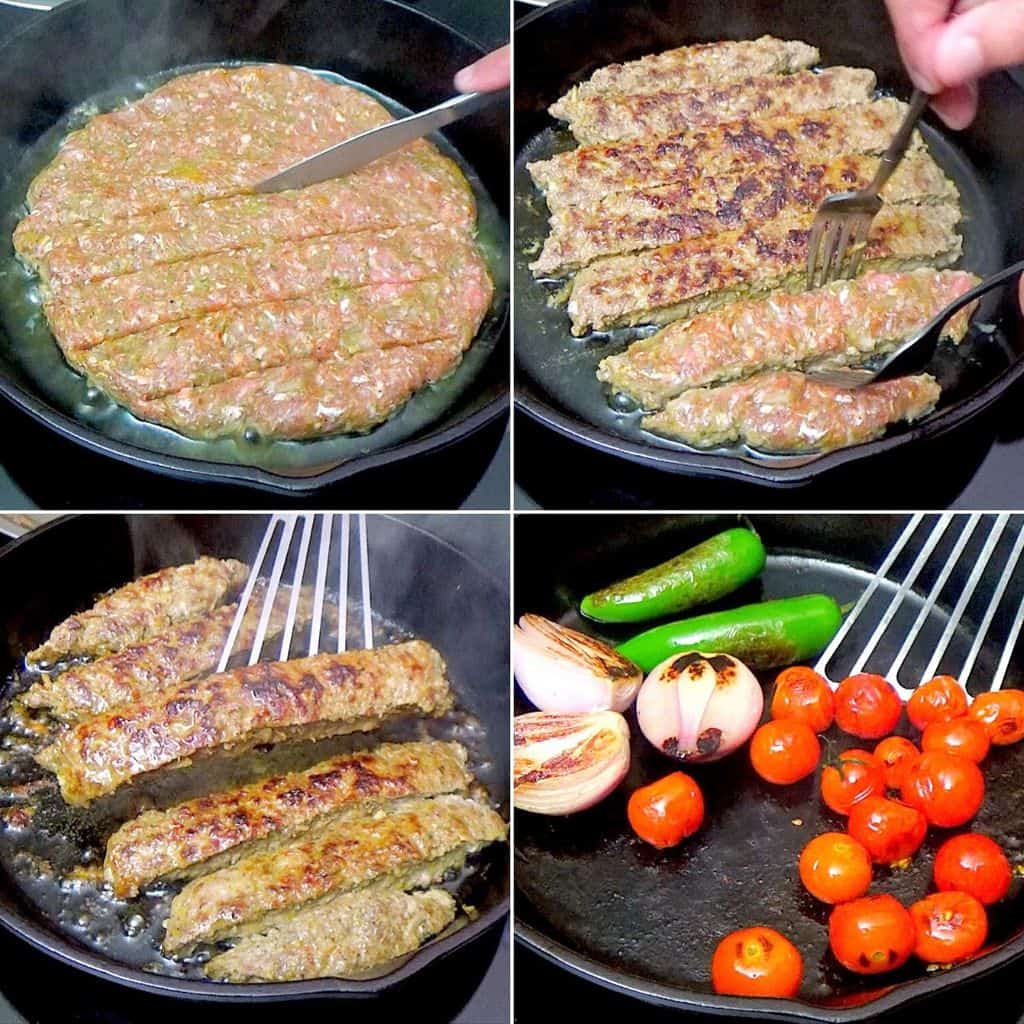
[[698, 576], [784, 632]]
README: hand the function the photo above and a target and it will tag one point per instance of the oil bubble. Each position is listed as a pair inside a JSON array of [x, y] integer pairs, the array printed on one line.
[[620, 402]]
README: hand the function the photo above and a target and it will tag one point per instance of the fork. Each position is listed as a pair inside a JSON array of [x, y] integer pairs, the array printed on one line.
[[835, 247], [283, 544], [918, 348]]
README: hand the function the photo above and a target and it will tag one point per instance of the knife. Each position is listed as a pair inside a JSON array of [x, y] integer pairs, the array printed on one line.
[[362, 149]]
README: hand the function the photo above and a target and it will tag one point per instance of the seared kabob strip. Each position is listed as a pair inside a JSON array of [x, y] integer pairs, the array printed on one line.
[[587, 174], [210, 133], [308, 398], [645, 219], [303, 699], [681, 280], [398, 191], [212, 832], [158, 664], [410, 847], [844, 323], [688, 67], [610, 117], [220, 346], [84, 315], [343, 936], [788, 412], [144, 608]]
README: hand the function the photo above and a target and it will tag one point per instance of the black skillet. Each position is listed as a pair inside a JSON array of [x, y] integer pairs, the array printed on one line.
[[598, 902], [422, 585], [113, 49], [555, 383]]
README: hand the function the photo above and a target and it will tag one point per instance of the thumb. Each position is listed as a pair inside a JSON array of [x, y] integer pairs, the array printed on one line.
[[488, 73]]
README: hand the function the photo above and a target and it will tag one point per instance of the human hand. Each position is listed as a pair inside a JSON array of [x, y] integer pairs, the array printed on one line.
[[948, 48], [488, 74]]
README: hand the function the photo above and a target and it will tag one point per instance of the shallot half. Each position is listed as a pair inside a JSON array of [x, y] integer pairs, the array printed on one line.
[[561, 669], [699, 707], [567, 763]]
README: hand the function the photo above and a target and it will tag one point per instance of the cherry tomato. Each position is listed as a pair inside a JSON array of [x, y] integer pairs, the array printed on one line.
[[966, 737], [667, 811], [856, 775], [803, 694], [756, 961], [835, 868], [974, 864], [889, 830], [1002, 714], [949, 789], [897, 754], [950, 926], [939, 700], [867, 706], [784, 751], [871, 935]]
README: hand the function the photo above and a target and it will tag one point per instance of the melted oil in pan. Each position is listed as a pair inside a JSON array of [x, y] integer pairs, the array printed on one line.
[[53, 852], [565, 367], [26, 339]]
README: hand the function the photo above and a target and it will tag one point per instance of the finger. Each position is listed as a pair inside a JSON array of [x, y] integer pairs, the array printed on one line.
[[982, 39], [957, 106], [487, 74], [917, 24]]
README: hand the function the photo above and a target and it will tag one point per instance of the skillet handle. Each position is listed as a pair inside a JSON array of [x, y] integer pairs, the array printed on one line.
[[31, 5]]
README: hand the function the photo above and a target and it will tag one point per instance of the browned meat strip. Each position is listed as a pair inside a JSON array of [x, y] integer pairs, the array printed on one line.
[[307, 698], [788, 412], [215, 831], [843, 323], [144, 608]]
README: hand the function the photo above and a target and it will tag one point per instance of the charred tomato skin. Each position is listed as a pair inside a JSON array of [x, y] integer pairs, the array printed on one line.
[[802, 693], [889, 830], [856, 775], [1002, 715], [948, 789], [835, 868], [757, 961], [966, 737], [871, 935], [897, 754], [938, 700], [974, 864], [867, 706], [667, 811], [784, 751], [949, 927]]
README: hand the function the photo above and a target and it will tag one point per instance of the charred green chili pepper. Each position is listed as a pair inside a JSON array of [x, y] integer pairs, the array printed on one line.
[[698, 576], [783, 632]]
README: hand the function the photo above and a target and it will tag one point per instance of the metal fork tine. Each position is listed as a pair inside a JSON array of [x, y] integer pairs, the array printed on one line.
[[364, 576], [274, 584], [322, 559], [296, 586], [814, 251], [821, 665], [846, 229], [829, 240], [993, 605], [966, 594], [933, 596], [854, 247], [1009, 647], [343, 585]]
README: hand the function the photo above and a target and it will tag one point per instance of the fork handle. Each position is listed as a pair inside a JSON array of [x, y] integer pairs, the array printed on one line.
[[900, 141]]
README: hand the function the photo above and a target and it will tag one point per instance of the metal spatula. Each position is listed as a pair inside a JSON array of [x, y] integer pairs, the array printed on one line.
[[287, 544], [974, 543]]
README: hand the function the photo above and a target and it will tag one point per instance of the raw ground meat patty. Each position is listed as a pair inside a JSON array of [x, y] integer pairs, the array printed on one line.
[[205, 307]]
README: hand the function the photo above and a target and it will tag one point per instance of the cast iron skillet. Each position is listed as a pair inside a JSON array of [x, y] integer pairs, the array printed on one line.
[[597, 901], [113, 49], [463, 610], [555, 381]]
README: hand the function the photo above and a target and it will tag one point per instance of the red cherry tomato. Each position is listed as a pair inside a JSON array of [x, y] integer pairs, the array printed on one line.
[[889, 830], [803, 694], [667, 811], [784, 751], [966, 737], [835, 868], [939, 700], [756, 962], [867, 706], [947, 788], [897, 754], [1002, 714], [950, 926], [856, 775], [974, 864], [871, 935]]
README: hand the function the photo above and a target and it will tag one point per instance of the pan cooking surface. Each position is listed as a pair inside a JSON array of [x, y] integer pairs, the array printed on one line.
[[564, 367], [652, 919], [28, 341]]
